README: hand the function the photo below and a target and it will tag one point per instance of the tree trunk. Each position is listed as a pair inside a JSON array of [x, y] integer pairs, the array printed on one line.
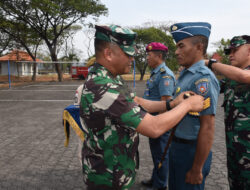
[[70, 69], [57, 65], [142, 75], [143, 71], [34, 72], [59, 72]]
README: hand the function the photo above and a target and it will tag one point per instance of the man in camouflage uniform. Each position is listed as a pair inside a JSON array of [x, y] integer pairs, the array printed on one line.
[[110, 117], [236, 104]]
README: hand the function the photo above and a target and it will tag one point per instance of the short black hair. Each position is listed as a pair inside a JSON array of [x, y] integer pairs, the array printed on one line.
[[100, 45], [200, 39]]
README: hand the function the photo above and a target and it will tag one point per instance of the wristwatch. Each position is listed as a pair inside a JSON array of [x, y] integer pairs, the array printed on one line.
[[210, 62], [168, 104]]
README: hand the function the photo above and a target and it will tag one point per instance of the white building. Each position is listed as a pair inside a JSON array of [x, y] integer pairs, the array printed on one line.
[[20, 63]]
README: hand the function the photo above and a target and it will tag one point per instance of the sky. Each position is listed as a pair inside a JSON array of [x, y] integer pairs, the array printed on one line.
[[228, 17]]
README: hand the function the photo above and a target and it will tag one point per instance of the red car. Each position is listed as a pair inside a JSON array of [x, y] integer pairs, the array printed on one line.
[[79, 72]]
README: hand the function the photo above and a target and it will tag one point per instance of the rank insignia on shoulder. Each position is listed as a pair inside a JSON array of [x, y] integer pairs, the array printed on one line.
[[206, 103], [205, 106], [162, 70], [194, 113]]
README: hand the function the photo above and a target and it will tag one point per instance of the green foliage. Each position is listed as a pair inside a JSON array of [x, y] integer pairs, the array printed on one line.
[[152, 34], [5, 42], [48, 19], [220, 50]]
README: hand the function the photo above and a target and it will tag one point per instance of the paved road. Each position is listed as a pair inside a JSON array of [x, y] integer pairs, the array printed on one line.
[[32, 152]]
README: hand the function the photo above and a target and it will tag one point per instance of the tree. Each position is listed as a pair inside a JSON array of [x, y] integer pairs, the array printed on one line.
[[70, 54], [5, 42], [20, 35], [66, 40], [89, 34], [152, 34], [50, 18], [164, 26], [220, 50]]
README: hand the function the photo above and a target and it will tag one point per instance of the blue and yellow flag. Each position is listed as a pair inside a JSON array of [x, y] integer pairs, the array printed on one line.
[[71, 117]]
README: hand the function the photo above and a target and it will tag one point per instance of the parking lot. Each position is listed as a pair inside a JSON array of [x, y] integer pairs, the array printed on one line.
[[32, 152]]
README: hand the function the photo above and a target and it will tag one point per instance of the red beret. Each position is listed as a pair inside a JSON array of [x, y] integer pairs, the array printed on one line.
[[156, 46]]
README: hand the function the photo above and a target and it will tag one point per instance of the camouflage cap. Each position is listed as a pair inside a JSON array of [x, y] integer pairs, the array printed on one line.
[[237, 41], [124, 37]]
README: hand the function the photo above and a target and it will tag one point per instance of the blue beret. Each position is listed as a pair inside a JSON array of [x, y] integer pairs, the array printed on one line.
[[184, 30]]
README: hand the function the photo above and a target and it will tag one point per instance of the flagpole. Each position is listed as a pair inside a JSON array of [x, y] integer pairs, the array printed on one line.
[[134, 73]]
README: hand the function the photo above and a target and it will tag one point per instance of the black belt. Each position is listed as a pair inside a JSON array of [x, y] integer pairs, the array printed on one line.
[[184, 141]]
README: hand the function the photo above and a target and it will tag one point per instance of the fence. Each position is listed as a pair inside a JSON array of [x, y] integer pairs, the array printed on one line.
[[15, 72]]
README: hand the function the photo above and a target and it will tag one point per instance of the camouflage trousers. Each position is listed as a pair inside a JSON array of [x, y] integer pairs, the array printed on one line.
[[238, 163]]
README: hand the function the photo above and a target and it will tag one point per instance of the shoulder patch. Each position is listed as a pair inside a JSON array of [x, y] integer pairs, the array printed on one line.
[[162, 70], [202, 86], [167, 83]]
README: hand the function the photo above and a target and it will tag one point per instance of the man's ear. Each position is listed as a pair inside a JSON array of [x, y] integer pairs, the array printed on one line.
[[200, 47], [107, 53], [248, 46], [160, 56]]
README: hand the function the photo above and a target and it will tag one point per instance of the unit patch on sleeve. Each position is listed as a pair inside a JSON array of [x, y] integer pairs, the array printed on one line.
[[202, 86], [166, 83]]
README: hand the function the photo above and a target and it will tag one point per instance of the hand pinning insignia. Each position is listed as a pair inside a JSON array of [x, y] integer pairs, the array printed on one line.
[[205, 106]]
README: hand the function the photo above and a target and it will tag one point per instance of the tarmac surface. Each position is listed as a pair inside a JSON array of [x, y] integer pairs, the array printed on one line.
[[32, 152]]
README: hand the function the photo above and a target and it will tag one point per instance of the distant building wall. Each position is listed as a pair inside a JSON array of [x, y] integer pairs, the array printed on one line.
[[16, 69]]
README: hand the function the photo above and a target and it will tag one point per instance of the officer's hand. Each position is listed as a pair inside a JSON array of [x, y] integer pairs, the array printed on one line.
[[196, 103], [137, 100], [194, 177], [181, 97]]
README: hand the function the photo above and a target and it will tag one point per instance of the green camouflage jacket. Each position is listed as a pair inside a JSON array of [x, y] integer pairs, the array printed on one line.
[[109, 117], [237, 113]]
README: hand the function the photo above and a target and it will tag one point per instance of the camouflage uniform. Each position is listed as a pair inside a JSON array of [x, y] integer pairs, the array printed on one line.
[[110, 118], [237, 124], [237, 127]]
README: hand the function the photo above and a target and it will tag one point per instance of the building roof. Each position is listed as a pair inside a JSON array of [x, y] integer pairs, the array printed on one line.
[[17, 55]]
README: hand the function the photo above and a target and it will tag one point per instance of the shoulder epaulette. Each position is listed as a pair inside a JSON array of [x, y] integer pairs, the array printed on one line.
[[162, 70]]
